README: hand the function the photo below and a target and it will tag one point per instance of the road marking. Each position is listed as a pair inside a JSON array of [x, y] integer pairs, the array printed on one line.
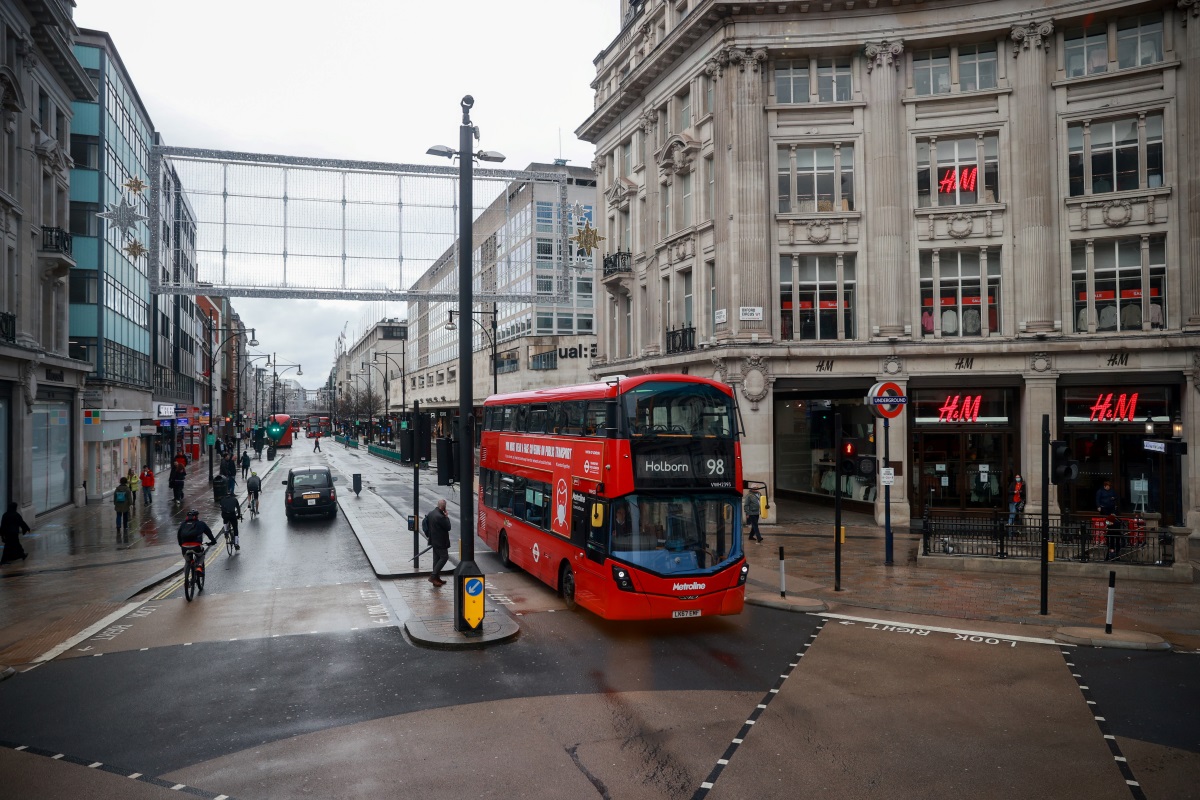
[[87, 632], [60, 755], [134, 776], [986, 634], [94, 764], [23, 747]]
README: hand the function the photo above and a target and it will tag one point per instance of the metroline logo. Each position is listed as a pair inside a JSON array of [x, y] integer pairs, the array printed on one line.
[[683, 587]]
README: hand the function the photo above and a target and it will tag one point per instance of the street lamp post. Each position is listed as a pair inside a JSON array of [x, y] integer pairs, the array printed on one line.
[[387, 357], [386, 398], [467, 575], [275, 365], [212, 369], [247, 367], [492, 338]]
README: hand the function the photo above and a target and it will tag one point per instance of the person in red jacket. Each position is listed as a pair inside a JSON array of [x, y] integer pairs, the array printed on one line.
[[147, 478]]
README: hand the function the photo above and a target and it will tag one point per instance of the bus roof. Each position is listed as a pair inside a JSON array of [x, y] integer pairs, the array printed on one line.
[[586, 391]]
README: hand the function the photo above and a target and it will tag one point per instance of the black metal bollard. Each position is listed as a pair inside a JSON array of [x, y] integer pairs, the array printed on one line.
[[782, 576], [1112, 594], [357, 483]]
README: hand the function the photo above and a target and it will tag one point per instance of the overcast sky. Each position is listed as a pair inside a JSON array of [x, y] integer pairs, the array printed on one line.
[[358, 79]]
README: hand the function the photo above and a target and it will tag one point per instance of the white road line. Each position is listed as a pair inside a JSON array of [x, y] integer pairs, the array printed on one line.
[[177, 787], [23, 747], [60, 755], [991, 634], [88, 632], [94, 764], [134, 776]]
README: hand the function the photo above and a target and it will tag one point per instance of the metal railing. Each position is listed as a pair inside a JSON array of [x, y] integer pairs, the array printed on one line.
[[56, 240], [1082, 538], [8, 327], [681, 340], [618, 262]]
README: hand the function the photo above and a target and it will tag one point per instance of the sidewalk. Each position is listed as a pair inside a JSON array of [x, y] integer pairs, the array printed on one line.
[[1143, 610], [79, 570]]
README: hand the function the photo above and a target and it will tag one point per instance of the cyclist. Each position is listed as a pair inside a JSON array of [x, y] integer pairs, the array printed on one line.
[[253, 487], [231, 512], [191, 535]]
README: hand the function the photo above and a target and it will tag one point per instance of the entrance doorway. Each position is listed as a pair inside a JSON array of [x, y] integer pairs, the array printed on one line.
[[966, 470]]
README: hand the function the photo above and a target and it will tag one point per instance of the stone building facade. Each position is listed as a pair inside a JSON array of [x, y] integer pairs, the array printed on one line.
[[41, 383], [991, 204]]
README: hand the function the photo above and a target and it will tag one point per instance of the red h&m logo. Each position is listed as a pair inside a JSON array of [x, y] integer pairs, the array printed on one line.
[[960, 409], [964, 180], [1124, 410]]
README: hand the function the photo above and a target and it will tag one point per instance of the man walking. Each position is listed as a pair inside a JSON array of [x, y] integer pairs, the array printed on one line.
[[317, 442], [175, 481], [438, 529], [229, 470], [752, 505], [245, 463]]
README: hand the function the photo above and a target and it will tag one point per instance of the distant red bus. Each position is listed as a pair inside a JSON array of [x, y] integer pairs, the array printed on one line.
[[623, 496], [288, 425]]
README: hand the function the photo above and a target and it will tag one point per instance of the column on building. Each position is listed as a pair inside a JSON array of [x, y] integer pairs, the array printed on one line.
[[1039, 400], [642, 292], [1035, 214], [714, 67], [886, 215], [1188, 83], [750, 211]]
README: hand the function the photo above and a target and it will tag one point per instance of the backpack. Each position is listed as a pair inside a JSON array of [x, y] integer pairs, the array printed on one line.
[[120, 496], [425, 526]]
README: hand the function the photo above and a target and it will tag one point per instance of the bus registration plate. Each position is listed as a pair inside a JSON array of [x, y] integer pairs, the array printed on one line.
[[687, 612]]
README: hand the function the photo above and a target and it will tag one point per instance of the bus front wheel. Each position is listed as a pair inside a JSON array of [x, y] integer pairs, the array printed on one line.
[[566, 586], [503, 552]]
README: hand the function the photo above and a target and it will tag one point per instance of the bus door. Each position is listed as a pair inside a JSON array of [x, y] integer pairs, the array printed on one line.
[[589, 532]]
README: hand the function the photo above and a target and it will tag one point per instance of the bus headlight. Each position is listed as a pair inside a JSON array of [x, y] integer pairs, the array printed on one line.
[[621, 576], [742, 576]]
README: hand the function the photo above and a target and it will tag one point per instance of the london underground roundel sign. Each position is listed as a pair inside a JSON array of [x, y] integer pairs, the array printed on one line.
[[887, 400]]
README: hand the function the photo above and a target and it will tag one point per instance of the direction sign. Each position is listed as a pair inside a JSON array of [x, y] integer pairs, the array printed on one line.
[[1157, 447]]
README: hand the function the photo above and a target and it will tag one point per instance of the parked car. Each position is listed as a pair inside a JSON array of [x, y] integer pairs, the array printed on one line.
[[310, 491]]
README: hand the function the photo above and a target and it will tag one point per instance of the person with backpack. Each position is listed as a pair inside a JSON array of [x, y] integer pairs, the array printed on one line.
[[122, 501], [253, 487], [229, 470], [245, 463], [436, 527]]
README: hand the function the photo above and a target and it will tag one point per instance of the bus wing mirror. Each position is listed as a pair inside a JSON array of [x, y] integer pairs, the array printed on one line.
[[597, 516]]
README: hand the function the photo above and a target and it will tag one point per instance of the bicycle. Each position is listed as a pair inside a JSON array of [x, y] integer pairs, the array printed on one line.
[[253, 505], [227, 532], [193, 571]]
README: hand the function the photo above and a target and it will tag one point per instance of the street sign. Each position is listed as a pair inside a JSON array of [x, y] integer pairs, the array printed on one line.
[[1156, 447], [887, 476], [210, 440], [886, 399]]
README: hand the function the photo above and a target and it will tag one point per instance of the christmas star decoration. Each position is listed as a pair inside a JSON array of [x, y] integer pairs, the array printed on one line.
[[135, 249], [588, 238], [123, 216], [136, 185]]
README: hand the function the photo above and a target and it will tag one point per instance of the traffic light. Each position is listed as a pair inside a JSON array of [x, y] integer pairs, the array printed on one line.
[[1063, 467], [275, 431], [849, 464], [447, 462]]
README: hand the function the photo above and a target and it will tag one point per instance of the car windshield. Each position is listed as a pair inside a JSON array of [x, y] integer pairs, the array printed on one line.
[[670, 535], [311, 480], [670, 408]]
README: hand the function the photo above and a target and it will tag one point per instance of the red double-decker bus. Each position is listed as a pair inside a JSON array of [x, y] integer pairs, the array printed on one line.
[[285, 420], [625, 496]]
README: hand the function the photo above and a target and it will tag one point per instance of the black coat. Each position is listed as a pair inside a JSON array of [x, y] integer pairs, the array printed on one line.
[[177, 478], [12, 524], [439, 529]]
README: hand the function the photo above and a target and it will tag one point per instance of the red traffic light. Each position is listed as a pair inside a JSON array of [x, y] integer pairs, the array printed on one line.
[[848, 449]]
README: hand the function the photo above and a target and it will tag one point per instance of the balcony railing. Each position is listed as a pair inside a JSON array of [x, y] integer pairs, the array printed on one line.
[[617, 263], [681, 340], [56, 240], [8, 327]]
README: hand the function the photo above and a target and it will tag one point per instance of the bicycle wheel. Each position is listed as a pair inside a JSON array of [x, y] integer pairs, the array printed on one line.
[[229, 539], [189, 586], [200, 576]]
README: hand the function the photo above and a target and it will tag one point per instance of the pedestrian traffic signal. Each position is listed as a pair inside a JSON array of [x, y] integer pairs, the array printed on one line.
[[1063, 467], [849, 463]]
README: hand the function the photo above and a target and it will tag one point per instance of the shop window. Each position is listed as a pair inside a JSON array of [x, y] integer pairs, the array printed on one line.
[[958, 172], [819, 178], [1105, 156], [810, 294], [956, 279], [806, 458], [1128, 277]]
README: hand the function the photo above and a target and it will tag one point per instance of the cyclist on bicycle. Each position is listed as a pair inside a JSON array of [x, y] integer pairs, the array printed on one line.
[[192, 532], [231, 512], [253, 487]]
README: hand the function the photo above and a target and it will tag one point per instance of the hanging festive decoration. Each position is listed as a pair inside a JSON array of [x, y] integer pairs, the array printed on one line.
[[588, 238], [123, 216], [135, 249], [136, 185]]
